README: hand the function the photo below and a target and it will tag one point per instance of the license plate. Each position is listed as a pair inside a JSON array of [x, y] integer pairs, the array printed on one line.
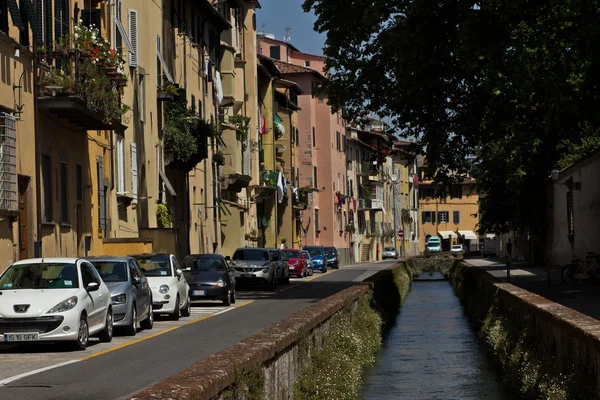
[[21, 337], [198, 292], [248, 275]]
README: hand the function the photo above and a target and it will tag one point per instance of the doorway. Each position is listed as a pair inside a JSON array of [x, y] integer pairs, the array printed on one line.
[[23, 183]]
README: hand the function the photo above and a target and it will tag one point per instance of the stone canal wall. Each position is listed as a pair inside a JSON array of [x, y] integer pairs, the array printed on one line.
[[543, 349], [318, 352]]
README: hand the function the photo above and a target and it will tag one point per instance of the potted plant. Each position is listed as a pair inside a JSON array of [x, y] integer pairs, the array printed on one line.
[[164, 216], [252, 236], [350, 228], [167, 92], [219, 158]]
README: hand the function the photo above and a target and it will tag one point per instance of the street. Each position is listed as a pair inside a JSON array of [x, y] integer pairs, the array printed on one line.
[[128, 364]]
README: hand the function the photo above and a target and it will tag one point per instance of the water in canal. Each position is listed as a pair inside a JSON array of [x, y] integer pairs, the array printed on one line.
[[432, 353]]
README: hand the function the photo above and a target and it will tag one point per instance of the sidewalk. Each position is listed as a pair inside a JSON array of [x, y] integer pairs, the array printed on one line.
[[584, 298]]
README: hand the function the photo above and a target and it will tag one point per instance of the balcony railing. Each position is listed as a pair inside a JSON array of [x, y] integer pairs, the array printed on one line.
[[367, 168], [269, 179]]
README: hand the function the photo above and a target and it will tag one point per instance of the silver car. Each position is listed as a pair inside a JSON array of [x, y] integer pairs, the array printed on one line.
[[283, 269], [130, 293], [390, 252], [254, 265], [309, 261]]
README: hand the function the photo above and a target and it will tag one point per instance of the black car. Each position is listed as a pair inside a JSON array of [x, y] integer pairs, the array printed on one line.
[[209, 277], [332, 257]]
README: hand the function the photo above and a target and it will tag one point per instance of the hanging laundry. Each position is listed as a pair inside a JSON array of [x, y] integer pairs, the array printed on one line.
[[354, 201], [280, 188], [218, 88]]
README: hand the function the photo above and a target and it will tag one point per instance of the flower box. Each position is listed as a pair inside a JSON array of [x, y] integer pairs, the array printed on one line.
[[165, 96]]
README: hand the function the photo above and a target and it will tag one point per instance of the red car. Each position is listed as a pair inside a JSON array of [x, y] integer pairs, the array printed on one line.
[[296, 261]]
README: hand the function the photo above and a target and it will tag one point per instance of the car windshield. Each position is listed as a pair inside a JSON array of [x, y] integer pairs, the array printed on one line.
[[287, 254], [433, 245], [158, 265], [315, 251], [251, 255], [330, 252], [389, 249], [111, 271], [203, 264], [40, 276], [457, 247]]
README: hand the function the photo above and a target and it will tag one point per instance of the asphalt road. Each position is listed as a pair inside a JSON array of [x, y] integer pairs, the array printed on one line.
[[123, 370]]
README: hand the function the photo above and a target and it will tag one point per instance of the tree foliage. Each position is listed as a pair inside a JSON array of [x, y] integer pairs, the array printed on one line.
[[510, 83]]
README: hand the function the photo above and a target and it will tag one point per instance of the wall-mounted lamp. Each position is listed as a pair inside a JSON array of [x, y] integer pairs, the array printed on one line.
[[569, 183], [54, 89], [17, 53]]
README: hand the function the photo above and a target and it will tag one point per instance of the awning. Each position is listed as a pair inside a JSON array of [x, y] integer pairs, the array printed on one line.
[[446, 234], [490, 236], [167, 183], [470, 235]]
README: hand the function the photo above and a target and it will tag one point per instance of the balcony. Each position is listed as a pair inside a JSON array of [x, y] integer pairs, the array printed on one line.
[[235, 174], [232, 90], [366, 168], [81, 82], [371, 198]]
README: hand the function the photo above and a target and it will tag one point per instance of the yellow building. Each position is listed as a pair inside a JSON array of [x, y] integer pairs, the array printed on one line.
[[449, 212]]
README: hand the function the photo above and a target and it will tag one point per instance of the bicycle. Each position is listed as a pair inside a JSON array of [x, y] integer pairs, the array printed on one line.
[[579, 270]]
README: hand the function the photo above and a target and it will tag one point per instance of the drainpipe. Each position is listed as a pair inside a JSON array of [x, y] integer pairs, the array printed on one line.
[[37, 248]]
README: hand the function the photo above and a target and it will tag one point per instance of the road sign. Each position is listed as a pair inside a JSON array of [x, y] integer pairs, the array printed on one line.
[[401, 233]]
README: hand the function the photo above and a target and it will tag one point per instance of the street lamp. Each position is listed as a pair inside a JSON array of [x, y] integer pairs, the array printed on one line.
[[569, 183]]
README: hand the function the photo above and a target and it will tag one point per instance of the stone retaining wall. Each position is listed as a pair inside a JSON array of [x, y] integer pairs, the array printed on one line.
[[566, 338], [276, 351]]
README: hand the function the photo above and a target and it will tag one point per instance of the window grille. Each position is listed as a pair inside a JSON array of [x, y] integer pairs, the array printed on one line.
[[8, 163]]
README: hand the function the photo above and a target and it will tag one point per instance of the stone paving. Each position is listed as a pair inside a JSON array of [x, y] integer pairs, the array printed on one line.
[[584, 298]]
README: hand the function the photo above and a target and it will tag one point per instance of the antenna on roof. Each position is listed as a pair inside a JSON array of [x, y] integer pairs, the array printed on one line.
[[262, 30], [287, 37]]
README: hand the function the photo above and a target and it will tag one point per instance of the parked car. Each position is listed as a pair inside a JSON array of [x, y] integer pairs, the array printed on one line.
[[209, 277], [254, 265], [390, 252], [54, 299], [333, 258], [318, 256], [434, 244], [283, 270], [297, 264], [458, 250], [170, 291], [309, 262], [129, 290]]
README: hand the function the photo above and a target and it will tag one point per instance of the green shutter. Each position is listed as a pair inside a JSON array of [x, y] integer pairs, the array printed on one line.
[[34, 20], [15, 14], [49, 41]]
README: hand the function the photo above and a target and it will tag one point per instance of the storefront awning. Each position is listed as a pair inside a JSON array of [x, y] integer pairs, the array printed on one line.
[[469, 235], [446, 234]]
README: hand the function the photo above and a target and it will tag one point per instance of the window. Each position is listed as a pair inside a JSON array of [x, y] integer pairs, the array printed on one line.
[[213, 44], [315, 178], [456, 217], [307, 63], [427, 192], [317, 228], [134, 171], [120, 165], [8, 163], [79, 182], [133, 38], [314, 137], [443, 217], [101, 195], [428, 217], [159, 166], [456, 192], [61, 19], [570, 216], [351, 188], [4, 16], [337, 141], [64, 192], [118, 19], [362, 223], [275, 52], [339, 218], [142, 95], [47, 188], [23, 34]]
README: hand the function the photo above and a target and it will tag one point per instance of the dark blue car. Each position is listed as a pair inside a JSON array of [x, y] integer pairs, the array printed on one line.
[[318, 256]]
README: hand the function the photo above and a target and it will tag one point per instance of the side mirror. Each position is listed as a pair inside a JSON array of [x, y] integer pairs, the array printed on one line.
[[179, 272], [136, 280], [92, 287], [228, 259]]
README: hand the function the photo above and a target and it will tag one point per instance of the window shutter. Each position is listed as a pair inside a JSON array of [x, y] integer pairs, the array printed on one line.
[[133, 38], [101, 200], [118, 33], [159, 165], [120, 165], [15, 14], [36, 27], [134, 170], [49, 18]]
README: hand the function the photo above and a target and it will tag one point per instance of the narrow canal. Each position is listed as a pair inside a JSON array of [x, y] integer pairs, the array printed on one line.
[[432, 353]]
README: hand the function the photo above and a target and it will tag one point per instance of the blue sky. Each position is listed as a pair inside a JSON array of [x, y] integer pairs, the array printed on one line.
[[277, 14]]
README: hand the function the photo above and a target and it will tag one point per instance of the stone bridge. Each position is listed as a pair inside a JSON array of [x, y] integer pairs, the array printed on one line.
[[431, 267]]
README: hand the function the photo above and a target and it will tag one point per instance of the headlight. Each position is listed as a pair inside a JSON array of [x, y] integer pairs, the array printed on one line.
[[220, 283], [265, 270], [119, 299], [64, 305], [163, 289], [296, 263]]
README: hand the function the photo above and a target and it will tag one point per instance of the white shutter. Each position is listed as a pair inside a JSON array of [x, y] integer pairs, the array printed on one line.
[[120, 165], [119, 25], [133, 38], [134, 170], [163, 64], [159, 162]]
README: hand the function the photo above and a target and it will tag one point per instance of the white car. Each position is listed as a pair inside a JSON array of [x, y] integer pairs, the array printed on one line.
[[457, 249], [54, 299], [170, 290]]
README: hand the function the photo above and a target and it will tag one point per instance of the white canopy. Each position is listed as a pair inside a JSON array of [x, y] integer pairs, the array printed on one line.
[[445, 234], [470, 235]]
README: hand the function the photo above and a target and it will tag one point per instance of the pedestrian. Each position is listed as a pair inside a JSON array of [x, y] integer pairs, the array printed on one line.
[[509, 249]]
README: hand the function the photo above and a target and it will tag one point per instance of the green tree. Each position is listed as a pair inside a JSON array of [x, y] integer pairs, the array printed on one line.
[[509, 84]]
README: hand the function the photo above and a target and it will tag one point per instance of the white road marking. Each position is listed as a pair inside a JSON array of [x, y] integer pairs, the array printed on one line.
[[6, 381]]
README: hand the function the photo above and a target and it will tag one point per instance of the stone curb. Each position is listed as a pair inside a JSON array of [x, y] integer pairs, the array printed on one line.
[[211, 376]]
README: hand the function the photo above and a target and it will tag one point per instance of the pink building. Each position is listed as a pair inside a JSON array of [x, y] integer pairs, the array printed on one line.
[[322, 148]]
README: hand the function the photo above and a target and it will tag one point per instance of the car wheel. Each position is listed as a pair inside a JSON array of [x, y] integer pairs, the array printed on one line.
[[177, 312], [148, 323], [187, 311], [233, 296], [324, 270], [131, 329], [311, 272], [227, 300], [106, 334], [273, 284], [83, 335]]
